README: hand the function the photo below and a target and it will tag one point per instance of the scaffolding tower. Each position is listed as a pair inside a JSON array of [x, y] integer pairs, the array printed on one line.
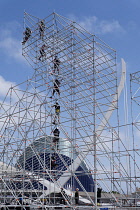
[[62, 124], [134, 145]]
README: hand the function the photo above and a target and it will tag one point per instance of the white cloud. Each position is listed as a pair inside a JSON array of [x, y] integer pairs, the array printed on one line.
[[9, 44], [12, 47], [94, 25], [88, 23], [109, 27], [4, 86]]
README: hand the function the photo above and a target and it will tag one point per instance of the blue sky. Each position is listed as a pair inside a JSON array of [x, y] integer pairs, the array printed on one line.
[[115, 22]]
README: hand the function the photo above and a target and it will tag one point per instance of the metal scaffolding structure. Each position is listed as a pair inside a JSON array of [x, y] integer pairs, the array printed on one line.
[[134, 144], [60, 128]]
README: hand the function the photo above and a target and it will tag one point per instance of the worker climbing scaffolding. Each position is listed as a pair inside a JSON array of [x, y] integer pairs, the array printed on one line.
[[56, 87], [56, 117], [99, 192], [57, 113], [56, 133], [41, 29], [42, 52], [56, 62], [27, 34], [53, 163]]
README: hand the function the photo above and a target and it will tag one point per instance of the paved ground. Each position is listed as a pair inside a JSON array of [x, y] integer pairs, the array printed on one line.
[[66, 208]]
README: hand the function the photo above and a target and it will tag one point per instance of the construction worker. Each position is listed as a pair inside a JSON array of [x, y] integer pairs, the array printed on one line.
[[77, 196], [56, 62], [41, 28], [20, 199], [42, 51], [56, 133], [56, 87], [27, 34], [99, 191], [63, 195], [57, 113], [53, 162]]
